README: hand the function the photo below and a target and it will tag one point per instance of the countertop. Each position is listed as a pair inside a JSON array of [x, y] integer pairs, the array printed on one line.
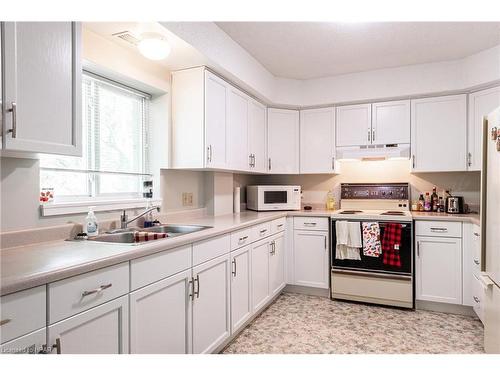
[[32, 265]]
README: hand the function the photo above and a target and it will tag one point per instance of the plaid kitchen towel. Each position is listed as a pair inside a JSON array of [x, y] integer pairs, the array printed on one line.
[[391, 242], [371, 240], [148, 236]]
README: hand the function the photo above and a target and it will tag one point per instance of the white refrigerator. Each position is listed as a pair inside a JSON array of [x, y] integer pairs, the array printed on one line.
[[490, 228]]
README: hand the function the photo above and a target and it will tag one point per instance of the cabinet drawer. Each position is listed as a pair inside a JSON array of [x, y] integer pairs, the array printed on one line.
[[79, 293], [22, 312], [310, 223], [261, 230], [438, 228], [211, 248], [149, 269], [278, 225], [241, 238]]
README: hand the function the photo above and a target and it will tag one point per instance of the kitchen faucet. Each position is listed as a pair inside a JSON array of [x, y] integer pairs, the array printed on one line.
[[124, 218]]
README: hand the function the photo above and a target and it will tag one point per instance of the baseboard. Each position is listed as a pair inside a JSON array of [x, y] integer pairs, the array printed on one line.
[[445, 308], [299, 289]]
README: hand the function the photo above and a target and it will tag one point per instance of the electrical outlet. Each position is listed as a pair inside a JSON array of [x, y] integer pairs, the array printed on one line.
[[187, 199]]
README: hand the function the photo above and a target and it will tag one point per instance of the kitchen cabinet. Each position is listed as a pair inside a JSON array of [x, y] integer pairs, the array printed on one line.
[[439, 269], [241, 303], [160, 316], [42, 57], [471, 261], [237, 131], [260, 274], [277, 264], [100, 330], [211, 304], [283, 141], [32, 343], [353, 125], [391, 122], [257, 136], [481, 103], [317, 141], [310, 258], [439, 132]]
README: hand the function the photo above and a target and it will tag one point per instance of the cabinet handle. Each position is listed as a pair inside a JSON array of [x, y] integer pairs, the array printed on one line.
[[191, 289], [326, 246], [234, 268], [310, 224], [476, 299], [469, 159], [333, 163], [96, 290], [263, 231], [5, 321], [269, 163], [441, 230], [273, 247], [418, 248], [477, 262], [413, 160], [279, 226], [13, 110], [242, 239], [373, 135], [476, 234], [253, 160], [197, 291]]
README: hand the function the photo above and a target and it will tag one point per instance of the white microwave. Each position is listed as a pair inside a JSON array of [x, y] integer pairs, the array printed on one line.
[[273, 197]]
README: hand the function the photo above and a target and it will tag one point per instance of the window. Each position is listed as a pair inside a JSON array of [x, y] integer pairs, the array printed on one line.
[[115, 146]]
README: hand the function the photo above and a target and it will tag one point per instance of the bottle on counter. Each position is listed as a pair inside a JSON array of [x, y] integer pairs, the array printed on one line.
[[441, 205], [91, 226], [148, 218], [330, 200], [434, 200], [427, 202], [421, 203]]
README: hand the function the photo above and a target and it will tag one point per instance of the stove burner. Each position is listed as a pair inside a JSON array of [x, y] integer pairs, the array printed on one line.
[[350, 212], [395, 213]]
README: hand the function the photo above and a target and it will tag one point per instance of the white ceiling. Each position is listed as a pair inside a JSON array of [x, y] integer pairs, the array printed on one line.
[[305, 50]]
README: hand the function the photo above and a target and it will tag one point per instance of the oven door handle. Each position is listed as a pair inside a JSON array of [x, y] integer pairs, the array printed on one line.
[[370, 274]]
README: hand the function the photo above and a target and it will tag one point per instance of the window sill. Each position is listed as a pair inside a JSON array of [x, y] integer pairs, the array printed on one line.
[[67, 208]]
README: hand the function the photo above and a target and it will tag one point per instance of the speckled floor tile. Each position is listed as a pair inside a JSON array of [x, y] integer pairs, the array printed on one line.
[[297, 323]]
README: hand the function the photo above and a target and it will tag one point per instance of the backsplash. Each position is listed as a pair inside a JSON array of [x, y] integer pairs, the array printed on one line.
[[315, 187]]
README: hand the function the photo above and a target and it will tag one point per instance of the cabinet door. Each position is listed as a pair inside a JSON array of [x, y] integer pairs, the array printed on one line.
[[257, 136], [31, 343], [391, 122], [310, 258], [237, 130], [241, 303], [481, 103], [100, 330], [42, 81], [160, 317], [216, 94], [260, 274], [277, 265], [353, 125], [438, 128], [439, 269], [211, 319], [283, 141], [317, 140]]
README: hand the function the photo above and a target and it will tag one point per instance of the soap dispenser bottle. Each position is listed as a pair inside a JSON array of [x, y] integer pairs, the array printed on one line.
[[91, 226]]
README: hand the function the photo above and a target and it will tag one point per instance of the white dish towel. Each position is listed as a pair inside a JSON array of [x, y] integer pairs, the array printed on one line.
[[348, 240]]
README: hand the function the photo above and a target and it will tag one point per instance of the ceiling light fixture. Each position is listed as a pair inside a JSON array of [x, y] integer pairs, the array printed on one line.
[[153, 46]]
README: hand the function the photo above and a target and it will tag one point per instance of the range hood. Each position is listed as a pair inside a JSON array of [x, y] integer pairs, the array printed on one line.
[[374, 152]]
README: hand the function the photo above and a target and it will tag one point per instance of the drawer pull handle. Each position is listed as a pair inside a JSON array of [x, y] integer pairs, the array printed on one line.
[[191, 289], [197, 291], [234, 268], [96, 290], [310, 224], [476, 234], [4, 321], [439, 229], [280, 226], [242, 239], [477, 299], [476, 261], [262, 231]]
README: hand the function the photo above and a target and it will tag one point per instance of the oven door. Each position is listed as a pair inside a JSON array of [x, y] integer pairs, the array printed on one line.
[[377, 264]]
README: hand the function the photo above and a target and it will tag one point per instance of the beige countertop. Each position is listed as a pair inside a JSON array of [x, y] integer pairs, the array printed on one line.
[[32, 265]]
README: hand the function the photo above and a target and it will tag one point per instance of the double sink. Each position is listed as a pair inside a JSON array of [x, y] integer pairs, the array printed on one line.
[[126, 236]]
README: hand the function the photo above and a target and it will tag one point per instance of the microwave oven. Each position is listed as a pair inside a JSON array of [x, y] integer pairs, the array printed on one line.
[[273, 197]]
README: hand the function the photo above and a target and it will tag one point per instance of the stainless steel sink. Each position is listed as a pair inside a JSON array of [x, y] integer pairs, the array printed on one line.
[[126, 236]]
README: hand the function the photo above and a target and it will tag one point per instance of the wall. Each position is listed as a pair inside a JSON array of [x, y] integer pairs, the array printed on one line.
[[315, 187]]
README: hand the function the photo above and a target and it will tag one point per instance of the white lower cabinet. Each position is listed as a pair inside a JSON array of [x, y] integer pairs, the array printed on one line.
[[160, 317], [211, 309], [277, 264], [260, 274], [31, 343], [241, 303], [310, 258], [439, 269], [100, 330]]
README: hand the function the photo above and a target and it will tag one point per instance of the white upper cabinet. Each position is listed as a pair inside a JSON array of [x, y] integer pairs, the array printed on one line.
[[283, 141], [257, 136], [481, 103], [42, 87], [439, 132], [391, 122], [237, 130], [317, 141], [354, 125]]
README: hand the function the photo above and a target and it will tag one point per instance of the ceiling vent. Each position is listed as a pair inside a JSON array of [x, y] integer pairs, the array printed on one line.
[[128, 37]]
